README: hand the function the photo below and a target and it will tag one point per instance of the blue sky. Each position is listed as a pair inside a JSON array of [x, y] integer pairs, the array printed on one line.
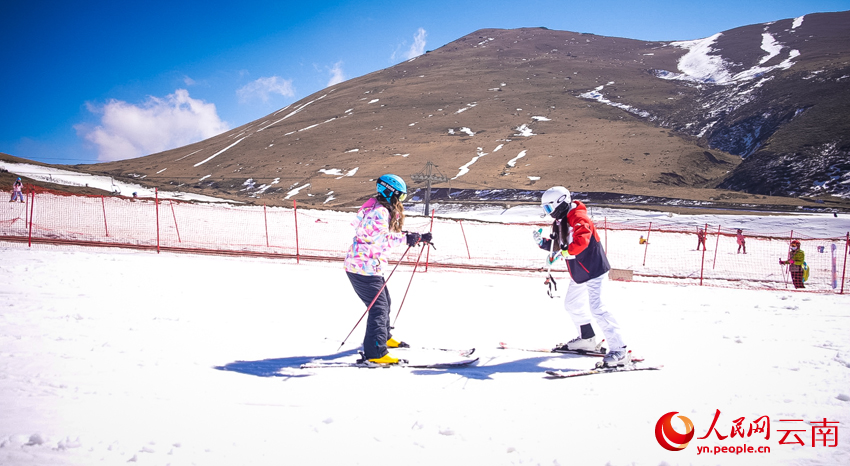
[[93, 81]]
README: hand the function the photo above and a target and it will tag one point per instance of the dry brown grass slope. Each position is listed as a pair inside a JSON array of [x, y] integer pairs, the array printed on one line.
[[509, 101]]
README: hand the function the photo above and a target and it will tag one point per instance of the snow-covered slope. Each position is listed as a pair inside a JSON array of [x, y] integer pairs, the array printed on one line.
[[114, 357]]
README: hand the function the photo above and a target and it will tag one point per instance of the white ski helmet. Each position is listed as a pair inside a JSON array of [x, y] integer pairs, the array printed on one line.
[[556, 201]]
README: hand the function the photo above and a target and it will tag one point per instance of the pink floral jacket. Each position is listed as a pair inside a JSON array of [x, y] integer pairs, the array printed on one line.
[[372, 240]]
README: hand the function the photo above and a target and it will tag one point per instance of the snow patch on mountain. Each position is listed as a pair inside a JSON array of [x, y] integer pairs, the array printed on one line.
[[295, 191], [465, 169], [297, 109], [251, 185], [596, 94], [769, 45], [461, 130], [337, 172], [699, 64], [703, 63], [524, 131], [218, 153], [512, 162]]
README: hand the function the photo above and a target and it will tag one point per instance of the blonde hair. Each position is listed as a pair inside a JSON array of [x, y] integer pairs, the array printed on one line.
[[396, 210]]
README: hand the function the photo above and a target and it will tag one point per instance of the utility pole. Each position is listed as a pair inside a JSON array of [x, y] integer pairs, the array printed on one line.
[[428, 177]]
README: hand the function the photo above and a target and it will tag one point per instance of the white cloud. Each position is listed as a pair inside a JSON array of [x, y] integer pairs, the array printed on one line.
[[337, 76], [128, 131], [418, 46], [189, 81], [263, 87], [416, 49]]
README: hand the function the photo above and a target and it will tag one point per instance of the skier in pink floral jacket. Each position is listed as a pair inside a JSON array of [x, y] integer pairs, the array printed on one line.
[[377, 230]]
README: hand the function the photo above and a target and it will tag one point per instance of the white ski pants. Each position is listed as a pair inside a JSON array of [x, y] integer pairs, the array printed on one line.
[[585, 299]]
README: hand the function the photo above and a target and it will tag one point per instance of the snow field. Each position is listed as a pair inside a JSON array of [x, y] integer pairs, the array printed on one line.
[[113, 356]]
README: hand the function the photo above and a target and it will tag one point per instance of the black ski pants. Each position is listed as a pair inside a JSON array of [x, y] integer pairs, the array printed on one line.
[[378, 321]]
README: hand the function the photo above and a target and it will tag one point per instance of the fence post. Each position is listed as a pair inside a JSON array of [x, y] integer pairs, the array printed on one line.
[[716, 245], [156, 202], [834, 251], [464, 240], [105, 226], [297, 247], [266, 218], [605, 229], [702, 263], [844, 271], [646, 246], [32, 212], [175, 221]]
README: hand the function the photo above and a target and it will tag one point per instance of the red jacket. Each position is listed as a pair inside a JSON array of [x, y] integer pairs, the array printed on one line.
[[582, 242]]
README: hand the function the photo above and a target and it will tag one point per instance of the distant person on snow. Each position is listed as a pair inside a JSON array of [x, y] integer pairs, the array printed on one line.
[[17, 187], [742, 243], [377, 230], [574, 237], [701, 239], [796, 258], [642, 240]]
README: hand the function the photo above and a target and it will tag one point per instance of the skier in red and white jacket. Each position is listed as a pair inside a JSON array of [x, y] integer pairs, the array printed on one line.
[[574, 237]]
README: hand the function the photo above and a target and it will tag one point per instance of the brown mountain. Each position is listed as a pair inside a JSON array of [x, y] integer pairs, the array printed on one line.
[[525, 109]]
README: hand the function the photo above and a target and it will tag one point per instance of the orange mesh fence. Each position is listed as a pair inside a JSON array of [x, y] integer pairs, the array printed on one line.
[[668, 254]]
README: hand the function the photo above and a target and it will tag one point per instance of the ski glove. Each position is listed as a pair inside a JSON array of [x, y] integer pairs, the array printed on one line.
[[541, 242], [413, 238], [538, 236], [551, 258], [567, 255]]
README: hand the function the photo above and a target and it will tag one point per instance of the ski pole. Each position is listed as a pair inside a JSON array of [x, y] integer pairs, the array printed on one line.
[[788, 257], [408, 283], [375, 298], [550, 280]]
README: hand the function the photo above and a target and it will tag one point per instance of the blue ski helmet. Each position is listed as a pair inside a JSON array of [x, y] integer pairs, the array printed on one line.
[[390, 185]]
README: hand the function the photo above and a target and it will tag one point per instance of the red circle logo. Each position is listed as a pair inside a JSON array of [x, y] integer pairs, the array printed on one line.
[[668, 437]]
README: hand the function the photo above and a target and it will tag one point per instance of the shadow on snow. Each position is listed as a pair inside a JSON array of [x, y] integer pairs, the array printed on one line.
[[273, 367], [483, 371]]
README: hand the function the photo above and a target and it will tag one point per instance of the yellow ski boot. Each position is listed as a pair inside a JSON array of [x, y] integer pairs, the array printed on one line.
[[393, 343], [386, 359]]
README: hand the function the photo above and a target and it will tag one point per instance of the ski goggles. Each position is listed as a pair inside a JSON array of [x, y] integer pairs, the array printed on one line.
[[402, 197], [548, 208]]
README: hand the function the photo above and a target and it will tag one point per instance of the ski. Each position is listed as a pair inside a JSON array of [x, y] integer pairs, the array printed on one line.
[[554, 374], [401, 363], [465, 352], [599, 351], [599, 354]]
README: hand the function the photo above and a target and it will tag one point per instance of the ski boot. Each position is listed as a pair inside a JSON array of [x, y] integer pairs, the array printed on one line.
[[393, 343], [619, 358], [386, 359], [580, 344]]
